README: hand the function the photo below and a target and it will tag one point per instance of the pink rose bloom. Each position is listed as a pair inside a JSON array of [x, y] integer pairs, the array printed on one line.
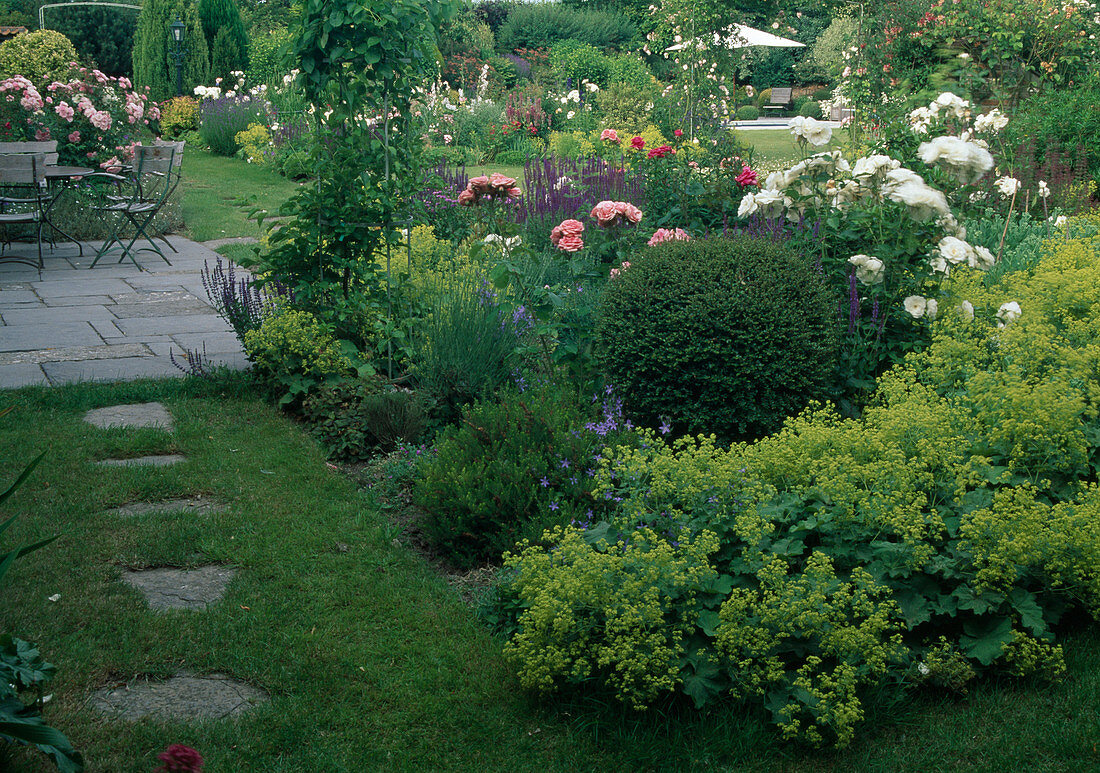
[[178, 758], [626, 264], [555, 235], [74, 137], [747, 177], [571, 227], [609, 135], [637, 143], [31, 101], [480, 184], [605, 212], [665, 235], [500, 182], [614, 273], [101, 120], [629, 211], [42, 135], [570, 243], [467, 197], [112, 164], [513, 193]]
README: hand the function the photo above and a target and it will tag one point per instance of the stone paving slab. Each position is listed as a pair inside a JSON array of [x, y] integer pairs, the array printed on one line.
[[158, 460], [64, 353], [23, 338], [186, 506], [44, 315], [180, 588], [80, 323], [120, 369], [23, 374], [133, 415], [185, 697]]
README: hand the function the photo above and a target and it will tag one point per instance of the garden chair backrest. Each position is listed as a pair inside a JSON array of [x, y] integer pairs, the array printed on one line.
[[24, 169], [177, 160], [46, 151], [157, 171]]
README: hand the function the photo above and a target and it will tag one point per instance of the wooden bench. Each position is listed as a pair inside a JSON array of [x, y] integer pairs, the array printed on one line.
[[780, 99]]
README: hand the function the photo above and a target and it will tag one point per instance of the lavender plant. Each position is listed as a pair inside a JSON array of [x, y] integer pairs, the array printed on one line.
[[223, 118]]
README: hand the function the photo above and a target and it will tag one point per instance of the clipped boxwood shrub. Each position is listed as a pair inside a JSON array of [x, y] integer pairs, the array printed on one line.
[[811, 110], [539, 25], [729, 336], [747, 113], [41, 57]]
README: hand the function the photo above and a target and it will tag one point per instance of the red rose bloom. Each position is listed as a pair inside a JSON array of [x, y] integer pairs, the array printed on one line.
[[637, 143]]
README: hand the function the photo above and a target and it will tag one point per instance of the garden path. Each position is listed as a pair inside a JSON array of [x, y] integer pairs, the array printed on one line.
[[112, 322]]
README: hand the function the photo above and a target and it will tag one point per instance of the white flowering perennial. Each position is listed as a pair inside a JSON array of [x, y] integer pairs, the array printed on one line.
[[1007, 186], [993, 121], [812, 131], [967, 161], [869, 269], [915, 305]]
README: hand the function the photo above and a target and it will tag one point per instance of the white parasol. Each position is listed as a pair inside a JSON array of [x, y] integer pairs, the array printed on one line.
[[740, 36]]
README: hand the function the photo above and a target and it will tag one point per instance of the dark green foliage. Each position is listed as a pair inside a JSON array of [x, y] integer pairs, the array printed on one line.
[[1057, 121], [104, 36], [225, 37], [748, 113], [483, 491], [540, 25], [729, 336], [266, 54], [357, 419], [810, 109], [823, 94], [152, 65]]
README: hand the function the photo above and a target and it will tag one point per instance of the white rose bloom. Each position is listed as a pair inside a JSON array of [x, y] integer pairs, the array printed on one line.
[[570, 114], [982, 259], [939, 265], [950, 103], [994, 120], [1059, 221], [872, 165], [1044, 190], [955, 250], [770, 202], [919, 120], [748, 205], [776, 181], [1008, 313], [916, 306], [924, 203], [1007, 185], [901, 176], [813, 131], [869, 269], [968, 161], [966, 309], [932, 308]]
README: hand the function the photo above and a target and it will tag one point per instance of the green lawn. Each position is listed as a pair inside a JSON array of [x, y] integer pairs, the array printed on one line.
[[212, 188], [373, 661], [772, 147]]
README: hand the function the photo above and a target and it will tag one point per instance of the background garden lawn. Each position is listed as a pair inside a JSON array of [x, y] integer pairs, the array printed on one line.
[[372, 660]]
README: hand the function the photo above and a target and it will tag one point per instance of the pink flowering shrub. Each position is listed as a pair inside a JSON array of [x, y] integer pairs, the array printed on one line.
[[93, 116], [609, 214], [666, 235]]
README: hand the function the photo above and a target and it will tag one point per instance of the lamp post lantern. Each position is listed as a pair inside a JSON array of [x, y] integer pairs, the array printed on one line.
[[178, 52]]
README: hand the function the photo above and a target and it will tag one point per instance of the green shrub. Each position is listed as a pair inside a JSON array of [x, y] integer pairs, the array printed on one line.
[[541, 25], [295, 352], [464, 350], [179, 115], [810, 109], [580, 62], [265, 56], [512, 157], [729, 336], [629, 69], [626, 106], [357, 419], [505, 472], [945, 533], [763, 97], [41, 57], [748, 113], [822, 94]]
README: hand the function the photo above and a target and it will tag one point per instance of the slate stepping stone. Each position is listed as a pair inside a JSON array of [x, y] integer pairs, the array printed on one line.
[[183, 698], [159, 460], [180, 588], [131, 415], [187, 506]]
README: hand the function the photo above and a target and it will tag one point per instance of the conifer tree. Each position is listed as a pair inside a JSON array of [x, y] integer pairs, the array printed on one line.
[[153, 67]]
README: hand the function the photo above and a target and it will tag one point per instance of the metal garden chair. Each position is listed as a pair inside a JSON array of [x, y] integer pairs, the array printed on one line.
[[137, 198], [22, 190]]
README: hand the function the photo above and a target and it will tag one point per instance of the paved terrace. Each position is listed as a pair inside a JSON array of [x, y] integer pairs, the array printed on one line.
[[111, 322]]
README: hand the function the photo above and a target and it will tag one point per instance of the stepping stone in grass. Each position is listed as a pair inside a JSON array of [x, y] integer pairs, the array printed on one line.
[[131, 415], [183, 698], [159, 460], [180, 588], [188, 506]]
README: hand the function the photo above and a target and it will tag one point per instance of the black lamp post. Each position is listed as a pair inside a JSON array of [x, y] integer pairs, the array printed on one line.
[[178, 52]]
